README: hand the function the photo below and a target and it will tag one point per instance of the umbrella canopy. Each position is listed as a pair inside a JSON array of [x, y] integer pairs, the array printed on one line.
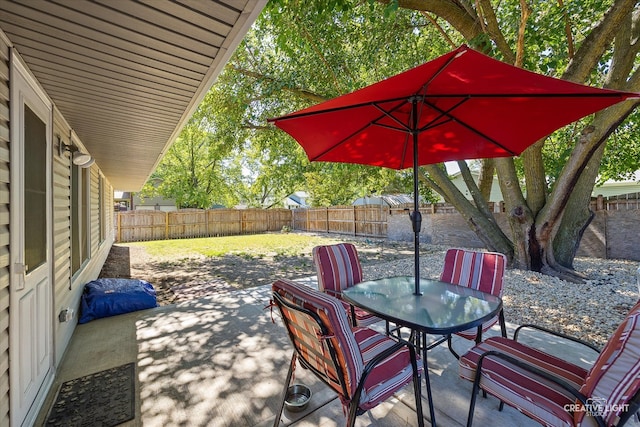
[[462, 105]]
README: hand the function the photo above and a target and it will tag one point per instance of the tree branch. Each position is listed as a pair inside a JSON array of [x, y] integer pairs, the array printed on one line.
[[318, 52], [480, 202], [485, 181], [524, 17], [493, 29], [312, 96], [460, 17], [567, 30], [439, 28], [597, 41]]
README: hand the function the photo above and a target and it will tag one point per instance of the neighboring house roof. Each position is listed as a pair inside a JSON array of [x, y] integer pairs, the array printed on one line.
[[458, 181], [121, 195], [153, 201], [391, 200], [608, 189], [298, 199], [617, 188], [127, 75]]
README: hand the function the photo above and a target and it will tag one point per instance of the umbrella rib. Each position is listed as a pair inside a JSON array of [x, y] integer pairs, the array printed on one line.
[[339, 143], [391, 116], [425, 86], [371, 123], [451, 117]]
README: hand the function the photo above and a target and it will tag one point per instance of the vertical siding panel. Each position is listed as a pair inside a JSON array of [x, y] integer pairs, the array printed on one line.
[[62, 295], [4, 232], [94, 225], [68, 289]]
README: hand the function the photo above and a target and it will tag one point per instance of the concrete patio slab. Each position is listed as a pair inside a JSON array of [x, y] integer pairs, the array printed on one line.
[[222, 360]]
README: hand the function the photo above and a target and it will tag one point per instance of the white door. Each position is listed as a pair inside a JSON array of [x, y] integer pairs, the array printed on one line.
[[31, 290]]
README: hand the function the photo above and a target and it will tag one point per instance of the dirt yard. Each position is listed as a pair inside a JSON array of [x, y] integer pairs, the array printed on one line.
[[178, 280]]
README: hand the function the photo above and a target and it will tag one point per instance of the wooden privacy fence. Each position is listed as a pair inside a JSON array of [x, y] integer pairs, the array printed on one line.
[[142, 225], [368, 220], [441, 224], [365, 221], [624, 202]]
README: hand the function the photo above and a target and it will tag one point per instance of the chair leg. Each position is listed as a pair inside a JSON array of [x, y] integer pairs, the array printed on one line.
[[353, 413], [474, 393], [450, 345], [503, 326], [417, 386], [292, 366], [425, 367], [354, 321]]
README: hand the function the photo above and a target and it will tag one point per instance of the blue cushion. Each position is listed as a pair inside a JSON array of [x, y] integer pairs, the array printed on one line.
[[109, 297]]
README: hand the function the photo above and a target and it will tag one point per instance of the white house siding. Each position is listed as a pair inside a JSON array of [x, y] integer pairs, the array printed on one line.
[[4, 231], [67, 289], [61, 232], [95, 211]]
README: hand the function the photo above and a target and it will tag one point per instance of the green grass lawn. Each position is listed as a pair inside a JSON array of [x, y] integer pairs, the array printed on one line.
[[252, 246]]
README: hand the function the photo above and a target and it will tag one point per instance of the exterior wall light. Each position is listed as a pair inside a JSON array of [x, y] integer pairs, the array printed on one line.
[[78, 158]]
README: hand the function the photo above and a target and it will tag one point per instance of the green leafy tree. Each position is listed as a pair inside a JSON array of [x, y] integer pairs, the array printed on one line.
[[285, 64], [301, 53], [197, 170]]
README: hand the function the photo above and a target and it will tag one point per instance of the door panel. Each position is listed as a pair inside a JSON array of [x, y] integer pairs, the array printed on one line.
[[31, 287]]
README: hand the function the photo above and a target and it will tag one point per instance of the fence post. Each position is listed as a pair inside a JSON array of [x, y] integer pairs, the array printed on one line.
[[326, 215], [166, 225], [355, 225], [119, 228]]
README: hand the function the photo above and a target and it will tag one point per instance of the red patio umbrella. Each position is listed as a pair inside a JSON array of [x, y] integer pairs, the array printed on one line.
[[462, 105]]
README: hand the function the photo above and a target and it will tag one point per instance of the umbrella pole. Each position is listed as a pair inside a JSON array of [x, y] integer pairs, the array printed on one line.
[[416, 216]]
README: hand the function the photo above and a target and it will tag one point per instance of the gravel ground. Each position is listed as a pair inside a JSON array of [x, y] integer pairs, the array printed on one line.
[[590, 311]]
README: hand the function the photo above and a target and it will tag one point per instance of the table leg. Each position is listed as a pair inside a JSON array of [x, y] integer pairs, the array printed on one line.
[[423, 337]]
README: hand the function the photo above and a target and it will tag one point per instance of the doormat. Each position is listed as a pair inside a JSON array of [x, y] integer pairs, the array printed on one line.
[[106, 398]]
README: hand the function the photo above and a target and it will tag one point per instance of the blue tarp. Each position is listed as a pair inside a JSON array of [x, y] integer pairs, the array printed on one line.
[[109, 297]]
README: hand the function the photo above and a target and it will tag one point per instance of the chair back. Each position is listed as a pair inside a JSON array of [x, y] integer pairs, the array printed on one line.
[[338, 267], [483, 271], [321, 335], [613, 382]]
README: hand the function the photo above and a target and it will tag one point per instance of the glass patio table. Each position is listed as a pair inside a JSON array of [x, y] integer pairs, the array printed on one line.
[[441, 309]]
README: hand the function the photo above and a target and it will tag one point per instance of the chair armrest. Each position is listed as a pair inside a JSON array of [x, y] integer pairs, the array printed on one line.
[[530, 368], [383, 355], [388, 352], [557, 334]]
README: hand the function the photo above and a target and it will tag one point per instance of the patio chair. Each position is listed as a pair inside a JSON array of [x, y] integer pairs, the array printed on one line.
[[362, 366], [338, 268], [553, 391], [483, 271]]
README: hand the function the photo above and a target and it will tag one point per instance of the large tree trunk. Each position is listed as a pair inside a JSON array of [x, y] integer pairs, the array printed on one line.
[[479, 220], [546, 228]]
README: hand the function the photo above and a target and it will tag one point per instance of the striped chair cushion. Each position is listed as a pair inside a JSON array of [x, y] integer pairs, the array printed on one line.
[[306, 331], [363, 318], [482, 271], [614, 378], [536, 397], [387, 376], [477, 270], [338, 267], [355, 347]]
